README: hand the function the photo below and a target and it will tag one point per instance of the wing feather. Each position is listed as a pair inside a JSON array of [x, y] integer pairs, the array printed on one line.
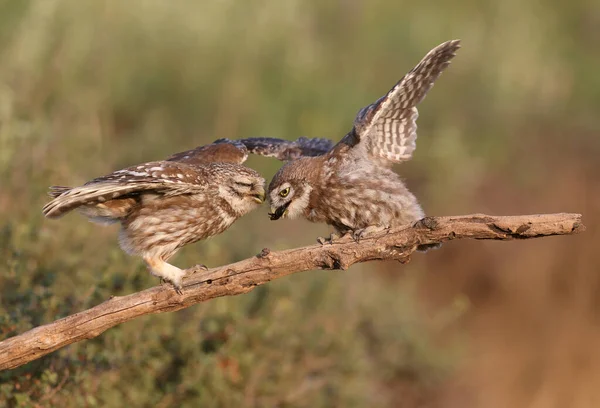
[[286, 150], [165, 178], [236, 151], [387, 129], [220, 151]]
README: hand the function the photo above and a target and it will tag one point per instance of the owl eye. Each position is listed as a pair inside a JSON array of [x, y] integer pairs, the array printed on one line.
[[284, 193]]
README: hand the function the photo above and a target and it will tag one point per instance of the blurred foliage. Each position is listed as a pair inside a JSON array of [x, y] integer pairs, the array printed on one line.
[[90, 87]]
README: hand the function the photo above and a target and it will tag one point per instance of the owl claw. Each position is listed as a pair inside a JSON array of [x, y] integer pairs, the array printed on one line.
[[166, 273], [359, 234], [332, 237], [177, 286], [199, 267]]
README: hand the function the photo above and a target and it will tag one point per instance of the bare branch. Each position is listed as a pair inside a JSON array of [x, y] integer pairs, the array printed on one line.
[[243, 276]]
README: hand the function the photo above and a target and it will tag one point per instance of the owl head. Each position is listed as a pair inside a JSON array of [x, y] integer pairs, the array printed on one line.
[[290, 189], [243, 188]]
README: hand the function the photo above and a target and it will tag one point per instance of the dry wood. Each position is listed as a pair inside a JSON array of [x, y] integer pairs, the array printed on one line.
[[243, 276]]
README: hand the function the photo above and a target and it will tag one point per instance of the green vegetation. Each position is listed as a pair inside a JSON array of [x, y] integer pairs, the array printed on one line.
[[87, 87]]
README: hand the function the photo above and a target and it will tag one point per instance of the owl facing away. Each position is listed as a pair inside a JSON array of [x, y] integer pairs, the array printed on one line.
[[164, 205], [352, 187]]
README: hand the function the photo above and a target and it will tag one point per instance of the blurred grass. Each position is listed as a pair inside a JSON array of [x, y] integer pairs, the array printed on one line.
[[90, 87]]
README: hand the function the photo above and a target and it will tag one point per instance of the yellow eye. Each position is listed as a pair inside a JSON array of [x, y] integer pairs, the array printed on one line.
[[284, 193]]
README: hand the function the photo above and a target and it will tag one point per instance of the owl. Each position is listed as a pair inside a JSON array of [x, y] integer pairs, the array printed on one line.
[[164, 205], [352, 187]]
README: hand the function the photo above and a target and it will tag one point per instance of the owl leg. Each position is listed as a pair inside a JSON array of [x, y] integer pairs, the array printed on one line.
[[363, 232], [166, 272]]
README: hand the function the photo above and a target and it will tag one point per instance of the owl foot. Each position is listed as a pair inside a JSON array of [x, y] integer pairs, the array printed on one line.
[[332, 237], [197, 268], [359, 234], [178, 289], [166, 272]]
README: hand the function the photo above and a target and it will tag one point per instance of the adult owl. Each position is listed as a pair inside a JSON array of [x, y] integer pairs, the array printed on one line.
[[352, 187], [190, 196]]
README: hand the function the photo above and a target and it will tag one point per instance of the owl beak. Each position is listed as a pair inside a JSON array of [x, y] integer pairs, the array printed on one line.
[[277, 213], [259, 197]]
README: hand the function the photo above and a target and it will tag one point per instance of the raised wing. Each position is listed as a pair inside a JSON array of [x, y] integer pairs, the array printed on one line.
[[387, 129], [287, 150], [165, 178]]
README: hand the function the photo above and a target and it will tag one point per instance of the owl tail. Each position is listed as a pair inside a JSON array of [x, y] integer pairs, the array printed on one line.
[[102, 203]]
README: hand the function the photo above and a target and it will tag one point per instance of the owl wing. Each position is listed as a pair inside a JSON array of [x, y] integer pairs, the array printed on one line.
[[236, 151], [286, 150], [222, 151], [387, 129], [164, 178]]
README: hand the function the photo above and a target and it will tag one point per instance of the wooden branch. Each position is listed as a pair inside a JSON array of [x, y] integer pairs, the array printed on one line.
[[241, 277]]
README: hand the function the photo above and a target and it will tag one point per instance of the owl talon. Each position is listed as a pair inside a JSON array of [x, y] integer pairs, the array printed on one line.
[[357, 235], [199, 267], [332, 237], [176, 286], [363, 232], [166, 272]]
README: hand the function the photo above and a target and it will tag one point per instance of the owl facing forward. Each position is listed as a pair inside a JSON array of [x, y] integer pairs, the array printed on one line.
[[352, 187], [191, 196]]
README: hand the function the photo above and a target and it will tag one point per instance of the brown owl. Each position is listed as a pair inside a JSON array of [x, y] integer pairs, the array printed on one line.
[[190, 196], [352, 187]]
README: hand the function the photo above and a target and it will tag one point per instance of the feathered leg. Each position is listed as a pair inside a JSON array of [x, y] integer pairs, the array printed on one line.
[[166, 271]]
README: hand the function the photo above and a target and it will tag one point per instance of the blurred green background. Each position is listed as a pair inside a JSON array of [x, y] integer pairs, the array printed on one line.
[[512, 127]]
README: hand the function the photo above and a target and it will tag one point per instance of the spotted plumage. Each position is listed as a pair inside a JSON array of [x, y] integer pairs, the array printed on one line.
[[352, 187], [164, 205]]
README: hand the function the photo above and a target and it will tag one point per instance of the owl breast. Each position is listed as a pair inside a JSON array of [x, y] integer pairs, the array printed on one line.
[[362, 197], [161, 225]]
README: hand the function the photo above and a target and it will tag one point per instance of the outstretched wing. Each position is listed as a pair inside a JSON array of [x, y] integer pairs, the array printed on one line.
[[387, 129], [236, 151], [165, 178], [287, 150], [222, 151]]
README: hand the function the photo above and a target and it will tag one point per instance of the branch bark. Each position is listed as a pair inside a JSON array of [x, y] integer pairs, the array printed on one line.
[[241, 277]]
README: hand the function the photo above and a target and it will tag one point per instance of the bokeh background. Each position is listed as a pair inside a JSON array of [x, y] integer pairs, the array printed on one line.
[[512, 127]]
